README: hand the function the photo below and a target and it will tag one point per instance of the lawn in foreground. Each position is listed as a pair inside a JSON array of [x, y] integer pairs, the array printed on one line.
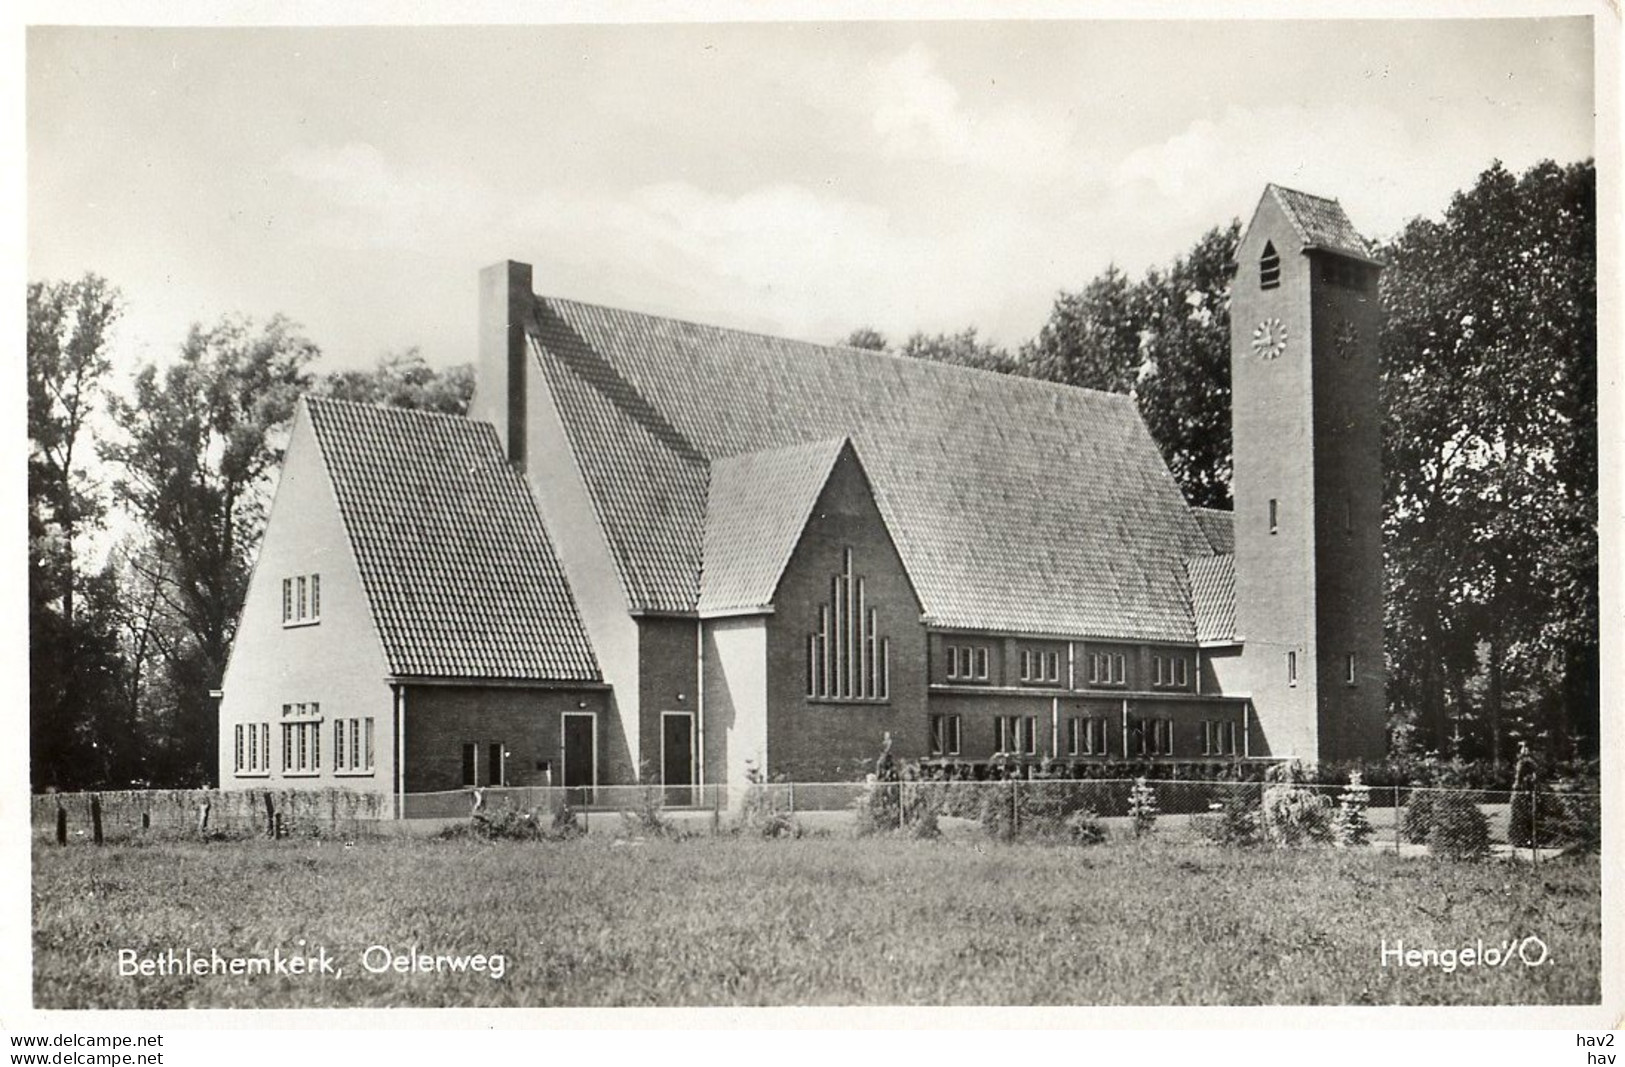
[[726, 920]]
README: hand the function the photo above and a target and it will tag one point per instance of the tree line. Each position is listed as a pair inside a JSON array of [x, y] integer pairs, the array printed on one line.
[[1490, 520], [128, 639], [1489, 395]]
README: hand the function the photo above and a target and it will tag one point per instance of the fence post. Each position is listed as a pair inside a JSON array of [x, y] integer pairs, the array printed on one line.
[[96, 817], [1534, 823], [1396, 820], [270, 817], [61, 824]]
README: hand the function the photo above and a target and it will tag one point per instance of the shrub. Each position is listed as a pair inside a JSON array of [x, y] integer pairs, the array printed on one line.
[[1418, 818], [924, 826], [1083, 827], [1581, 806], [1457, 828], [876, 807], [1142, 807], [564, 824], [648, 818], [1293, 813], [1350, 825], [1234, 822], [1537, 819], [997, 814]]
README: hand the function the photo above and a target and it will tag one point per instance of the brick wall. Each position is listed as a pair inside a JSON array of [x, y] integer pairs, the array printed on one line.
[[527, 722], [812, 739], [1273, 449]]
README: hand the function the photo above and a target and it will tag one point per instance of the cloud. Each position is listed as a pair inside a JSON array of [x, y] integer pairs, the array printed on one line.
[[371, 202], [917, 113]]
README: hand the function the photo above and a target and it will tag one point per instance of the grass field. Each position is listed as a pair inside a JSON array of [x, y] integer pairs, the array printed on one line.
[[825, 920]]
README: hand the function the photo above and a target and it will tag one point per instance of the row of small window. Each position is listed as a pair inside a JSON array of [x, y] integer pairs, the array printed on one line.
[[302, 600], [1085, 736], [1170, 672], [352, 750], [966, 662], [1040, 666]]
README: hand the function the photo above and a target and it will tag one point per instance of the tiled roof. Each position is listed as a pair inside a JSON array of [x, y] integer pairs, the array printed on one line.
[[758, 504], [1017, 505], [460, 575], [1219, 528], [1321, 223], [1213, 596]]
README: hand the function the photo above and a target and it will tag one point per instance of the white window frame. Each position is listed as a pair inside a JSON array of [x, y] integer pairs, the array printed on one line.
[[302, 600]]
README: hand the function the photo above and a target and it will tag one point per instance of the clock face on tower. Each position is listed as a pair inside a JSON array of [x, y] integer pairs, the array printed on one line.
[[1269, 339]]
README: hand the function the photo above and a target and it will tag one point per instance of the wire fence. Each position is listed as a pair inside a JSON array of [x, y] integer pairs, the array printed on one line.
[[1454, 822]]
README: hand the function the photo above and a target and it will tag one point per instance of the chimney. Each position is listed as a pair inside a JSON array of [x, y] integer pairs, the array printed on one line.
[[507, 305]]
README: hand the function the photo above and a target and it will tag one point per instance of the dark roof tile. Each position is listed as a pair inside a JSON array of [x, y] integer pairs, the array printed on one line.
[[457, 568]]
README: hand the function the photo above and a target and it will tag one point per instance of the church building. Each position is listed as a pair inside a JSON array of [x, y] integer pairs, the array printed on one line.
[[657, 551]]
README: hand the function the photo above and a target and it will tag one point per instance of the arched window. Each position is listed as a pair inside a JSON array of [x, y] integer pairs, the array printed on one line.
[[1269, 267]]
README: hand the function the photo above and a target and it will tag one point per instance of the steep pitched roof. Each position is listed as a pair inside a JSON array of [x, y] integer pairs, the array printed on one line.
[[758, 504], [1016, 505], [1218, 527], [1319, 222], [458, 571], [1213, 596]]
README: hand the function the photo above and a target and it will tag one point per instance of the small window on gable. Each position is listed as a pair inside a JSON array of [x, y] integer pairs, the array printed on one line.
[[1269, 267]]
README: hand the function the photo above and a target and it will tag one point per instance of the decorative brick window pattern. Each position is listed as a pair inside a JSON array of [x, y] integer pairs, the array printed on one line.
[[847, 659]]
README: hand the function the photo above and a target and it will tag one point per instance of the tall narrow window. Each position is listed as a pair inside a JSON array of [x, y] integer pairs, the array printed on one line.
[[1275, 516], [1348, 668], [470, 756], [287, 600], [1292, 668], [847, 659], [315, 596], [1269, 267]]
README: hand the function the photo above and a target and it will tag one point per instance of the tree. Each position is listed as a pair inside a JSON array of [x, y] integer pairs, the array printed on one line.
[[1166, 341], [866, 337], [1092, 337], [964, 349], [1184, 387], [1489, 386], [71, 652], [202, 440], [405, 380]]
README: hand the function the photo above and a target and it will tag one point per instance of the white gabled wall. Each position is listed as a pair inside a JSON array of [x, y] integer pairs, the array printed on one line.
[[583, 551], [338, 661]]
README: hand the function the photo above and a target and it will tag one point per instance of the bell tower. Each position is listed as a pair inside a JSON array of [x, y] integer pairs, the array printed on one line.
[[1307, 483]]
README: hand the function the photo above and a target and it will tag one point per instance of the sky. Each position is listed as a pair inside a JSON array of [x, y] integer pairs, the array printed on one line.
[[799, 179]]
